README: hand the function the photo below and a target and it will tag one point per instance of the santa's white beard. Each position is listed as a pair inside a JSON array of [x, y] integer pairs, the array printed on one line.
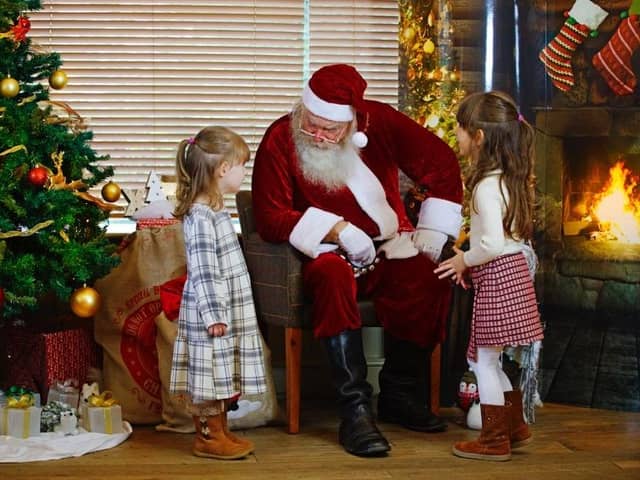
[[328, 165]]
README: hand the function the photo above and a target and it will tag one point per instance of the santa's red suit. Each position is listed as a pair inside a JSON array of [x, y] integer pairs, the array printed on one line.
[[411, 303]]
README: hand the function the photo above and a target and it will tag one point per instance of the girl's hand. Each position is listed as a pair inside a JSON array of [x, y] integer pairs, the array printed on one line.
[[217, 329], [453, 268]]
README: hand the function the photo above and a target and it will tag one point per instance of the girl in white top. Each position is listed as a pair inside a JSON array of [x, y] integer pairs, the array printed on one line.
[[499, 143], [217, 354]]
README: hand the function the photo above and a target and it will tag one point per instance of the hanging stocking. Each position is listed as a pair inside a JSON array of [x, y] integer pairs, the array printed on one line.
[[583, 20], [613, 62]]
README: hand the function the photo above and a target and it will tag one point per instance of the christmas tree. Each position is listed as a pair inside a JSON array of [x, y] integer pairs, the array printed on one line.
[[429, 79], [52, 244]]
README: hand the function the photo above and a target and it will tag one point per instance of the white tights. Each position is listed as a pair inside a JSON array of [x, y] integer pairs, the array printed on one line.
[[492, 381]]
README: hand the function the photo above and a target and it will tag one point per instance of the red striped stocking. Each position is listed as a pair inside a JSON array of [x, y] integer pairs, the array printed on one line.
[[584, 18], [613, 62], [557, 55]]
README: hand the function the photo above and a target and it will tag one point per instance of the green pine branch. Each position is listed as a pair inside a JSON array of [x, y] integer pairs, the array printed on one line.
[[51, 241]]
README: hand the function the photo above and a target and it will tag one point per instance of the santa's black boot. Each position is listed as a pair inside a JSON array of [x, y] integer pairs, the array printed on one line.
[[358, 433], [405, 389]]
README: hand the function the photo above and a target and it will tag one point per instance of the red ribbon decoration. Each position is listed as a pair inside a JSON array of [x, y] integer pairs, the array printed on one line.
[[20, 29]]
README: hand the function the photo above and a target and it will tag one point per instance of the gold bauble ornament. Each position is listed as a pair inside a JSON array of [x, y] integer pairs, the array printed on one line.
[[111, 192], [429, 47], [58, 79], [85, 302], [408, 34], [9, 87]]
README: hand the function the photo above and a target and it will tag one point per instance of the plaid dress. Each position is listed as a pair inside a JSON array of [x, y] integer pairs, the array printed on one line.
[[218, 290], [505, 311]]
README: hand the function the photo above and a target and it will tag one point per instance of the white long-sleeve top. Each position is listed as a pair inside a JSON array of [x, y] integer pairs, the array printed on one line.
[[487, 237]]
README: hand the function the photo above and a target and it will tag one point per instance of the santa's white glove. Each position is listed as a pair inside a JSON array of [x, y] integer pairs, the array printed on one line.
[[430, 243], [357, 245]]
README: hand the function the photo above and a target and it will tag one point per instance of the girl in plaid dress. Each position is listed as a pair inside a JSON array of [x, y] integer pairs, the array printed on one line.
[[217, 354], [499, 143]]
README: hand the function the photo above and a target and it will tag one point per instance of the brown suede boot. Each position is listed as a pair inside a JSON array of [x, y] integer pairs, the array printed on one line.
[[520, 434], [493, 443], [243, 442], [211, 442]]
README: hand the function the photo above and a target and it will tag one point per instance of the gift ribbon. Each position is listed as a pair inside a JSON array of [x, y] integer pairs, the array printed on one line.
[[105, 399], [26, 424], [108, 427]]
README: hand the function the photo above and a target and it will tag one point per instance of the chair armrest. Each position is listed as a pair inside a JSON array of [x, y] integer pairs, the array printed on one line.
[[276, 277]]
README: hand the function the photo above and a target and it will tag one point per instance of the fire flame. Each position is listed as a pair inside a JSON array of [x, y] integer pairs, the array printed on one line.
[[617, 207]]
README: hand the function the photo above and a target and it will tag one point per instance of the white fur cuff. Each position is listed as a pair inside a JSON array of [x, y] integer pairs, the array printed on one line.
[[441, 215], [312, 227]]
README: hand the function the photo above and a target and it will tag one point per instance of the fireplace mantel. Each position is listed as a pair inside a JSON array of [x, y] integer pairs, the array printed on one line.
[[588, 121]]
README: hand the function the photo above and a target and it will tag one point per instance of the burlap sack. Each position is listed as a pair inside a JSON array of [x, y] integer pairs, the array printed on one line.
[[175, 418], [125, 326]]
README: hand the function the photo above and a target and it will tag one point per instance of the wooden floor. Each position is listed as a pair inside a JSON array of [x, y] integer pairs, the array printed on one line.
[[570, 443]]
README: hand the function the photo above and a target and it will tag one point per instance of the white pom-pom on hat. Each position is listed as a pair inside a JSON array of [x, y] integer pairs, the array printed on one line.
[[359, 139]]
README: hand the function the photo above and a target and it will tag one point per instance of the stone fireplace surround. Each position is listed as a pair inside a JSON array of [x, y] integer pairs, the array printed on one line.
[[589, 291]]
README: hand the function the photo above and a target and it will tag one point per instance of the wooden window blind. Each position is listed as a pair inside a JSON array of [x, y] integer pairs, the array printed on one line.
[[147, 73]]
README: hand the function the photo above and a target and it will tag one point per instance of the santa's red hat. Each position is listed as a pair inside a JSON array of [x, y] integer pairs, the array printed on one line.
[[335, 92]]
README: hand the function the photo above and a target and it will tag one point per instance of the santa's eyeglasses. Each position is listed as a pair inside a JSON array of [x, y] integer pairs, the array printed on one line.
[[333, 136]]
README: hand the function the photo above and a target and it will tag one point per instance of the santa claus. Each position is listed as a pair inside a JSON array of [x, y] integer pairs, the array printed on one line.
[[325, 179]]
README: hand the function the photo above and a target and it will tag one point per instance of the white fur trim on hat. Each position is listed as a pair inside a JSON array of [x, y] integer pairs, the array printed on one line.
[[441, 215], [359, 139], [308, 233], [331, 111]]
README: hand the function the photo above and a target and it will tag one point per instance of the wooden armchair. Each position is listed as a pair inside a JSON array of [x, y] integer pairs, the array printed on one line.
[[276, 278]]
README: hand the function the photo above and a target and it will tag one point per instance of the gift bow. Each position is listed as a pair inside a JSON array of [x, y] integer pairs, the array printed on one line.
[[105, 399], [68, 386], [23, 401], [19, 397]]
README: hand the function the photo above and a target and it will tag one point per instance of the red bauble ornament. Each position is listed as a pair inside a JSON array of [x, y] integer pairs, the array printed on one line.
[[38, 176], [1, 297]]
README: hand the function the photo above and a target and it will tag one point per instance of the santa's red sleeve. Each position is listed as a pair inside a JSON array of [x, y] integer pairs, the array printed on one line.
[[427, 160], [272, 184], [420, 154]]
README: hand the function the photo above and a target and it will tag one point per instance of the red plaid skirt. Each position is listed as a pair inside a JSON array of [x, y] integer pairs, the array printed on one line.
[[505, 310]]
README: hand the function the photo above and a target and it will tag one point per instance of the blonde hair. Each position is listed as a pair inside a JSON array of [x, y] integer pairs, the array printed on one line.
[[508, 145], [197, 161]]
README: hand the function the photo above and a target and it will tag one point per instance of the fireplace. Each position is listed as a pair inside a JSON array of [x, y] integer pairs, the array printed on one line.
[[586, 265]]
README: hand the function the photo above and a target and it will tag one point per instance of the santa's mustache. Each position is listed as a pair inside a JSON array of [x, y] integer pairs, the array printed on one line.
[[329, 165]]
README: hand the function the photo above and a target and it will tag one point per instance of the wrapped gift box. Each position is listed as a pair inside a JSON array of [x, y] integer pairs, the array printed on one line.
[[35, 359], [20, 422], [65, 392], [102, 419]]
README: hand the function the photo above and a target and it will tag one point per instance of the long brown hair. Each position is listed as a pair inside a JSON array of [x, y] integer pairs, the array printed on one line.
[[198, 159], [508, 145]]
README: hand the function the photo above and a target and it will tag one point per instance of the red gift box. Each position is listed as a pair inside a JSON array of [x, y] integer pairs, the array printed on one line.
[[35, 359]]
